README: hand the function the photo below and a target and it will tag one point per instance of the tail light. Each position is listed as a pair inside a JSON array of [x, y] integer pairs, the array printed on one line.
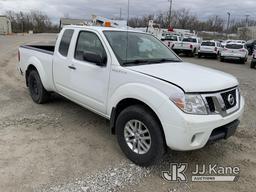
[[242, 50], [215, 49], [191, 46], [225, 49], [19, 56]]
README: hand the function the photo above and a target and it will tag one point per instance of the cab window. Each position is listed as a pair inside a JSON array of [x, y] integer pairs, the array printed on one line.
[[65, 42]]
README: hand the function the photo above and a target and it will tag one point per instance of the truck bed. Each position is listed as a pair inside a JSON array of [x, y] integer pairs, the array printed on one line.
[[48, 49]]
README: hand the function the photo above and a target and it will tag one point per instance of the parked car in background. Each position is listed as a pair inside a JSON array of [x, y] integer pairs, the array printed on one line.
[[253, 63], [250, 46], [188, 46], [171, 40], [236, 51], [209, 48]]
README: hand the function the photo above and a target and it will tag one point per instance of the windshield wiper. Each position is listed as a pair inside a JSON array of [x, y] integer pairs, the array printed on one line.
[[137, 61], [165, 60], [149, 61]]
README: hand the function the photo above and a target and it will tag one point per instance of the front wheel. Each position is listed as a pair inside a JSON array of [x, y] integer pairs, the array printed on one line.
[[37, 91], [222, 59], [140, 135]]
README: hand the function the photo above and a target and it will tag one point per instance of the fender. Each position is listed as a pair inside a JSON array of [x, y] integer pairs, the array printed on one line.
[[144, 93], [39, 66]]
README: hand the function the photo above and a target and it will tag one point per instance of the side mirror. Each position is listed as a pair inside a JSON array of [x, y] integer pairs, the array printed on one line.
[[94, 58]]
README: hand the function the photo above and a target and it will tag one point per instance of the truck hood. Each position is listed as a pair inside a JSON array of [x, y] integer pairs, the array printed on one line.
[[190, 77]]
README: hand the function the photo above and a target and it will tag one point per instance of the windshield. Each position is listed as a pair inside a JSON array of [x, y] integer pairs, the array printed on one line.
[[234, 46], [212, 44], [141, 48], [192, 40]]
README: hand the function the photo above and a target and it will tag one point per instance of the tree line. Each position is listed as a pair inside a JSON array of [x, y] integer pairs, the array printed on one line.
[[39, 22], [184, 19], [34, 20]]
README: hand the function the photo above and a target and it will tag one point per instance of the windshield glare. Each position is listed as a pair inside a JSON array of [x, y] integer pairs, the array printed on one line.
[[141, 48]]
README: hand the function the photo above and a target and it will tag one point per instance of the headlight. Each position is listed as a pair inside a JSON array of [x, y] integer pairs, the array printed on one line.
[[190, 103]]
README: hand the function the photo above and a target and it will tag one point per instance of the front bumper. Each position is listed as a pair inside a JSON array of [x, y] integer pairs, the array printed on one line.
[[184, 132]]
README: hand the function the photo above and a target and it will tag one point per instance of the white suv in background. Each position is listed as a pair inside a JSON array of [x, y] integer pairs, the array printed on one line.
[[209, 48], [236, 51]]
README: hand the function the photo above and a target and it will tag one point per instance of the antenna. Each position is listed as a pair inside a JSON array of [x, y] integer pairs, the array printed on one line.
[[127, 28]]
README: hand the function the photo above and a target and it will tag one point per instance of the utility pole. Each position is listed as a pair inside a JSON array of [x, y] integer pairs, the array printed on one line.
[[170, 13], [228, 23], [120, 13], [247, 20]]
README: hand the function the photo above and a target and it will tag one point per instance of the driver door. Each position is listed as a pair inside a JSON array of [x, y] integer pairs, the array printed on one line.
[[90, 81]]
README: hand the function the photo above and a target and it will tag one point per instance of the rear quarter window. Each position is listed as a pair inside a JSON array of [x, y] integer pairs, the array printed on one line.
[[65, 42]]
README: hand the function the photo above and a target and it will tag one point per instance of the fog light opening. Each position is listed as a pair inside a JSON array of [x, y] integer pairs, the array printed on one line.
[[193, 139]]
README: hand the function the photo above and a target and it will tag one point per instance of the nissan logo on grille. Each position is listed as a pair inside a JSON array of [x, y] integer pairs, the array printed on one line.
[[231, 99]]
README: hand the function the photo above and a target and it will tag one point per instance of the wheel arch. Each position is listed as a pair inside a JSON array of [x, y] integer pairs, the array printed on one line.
[[123, 104], [35, 64]]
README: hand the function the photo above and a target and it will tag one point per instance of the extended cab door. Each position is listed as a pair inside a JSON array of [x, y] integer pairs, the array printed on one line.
[[62, 63], [90, 81]]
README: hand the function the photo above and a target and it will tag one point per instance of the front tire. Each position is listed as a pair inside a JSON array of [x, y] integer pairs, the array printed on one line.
[[37, 91], [222, 59], [140, 136]]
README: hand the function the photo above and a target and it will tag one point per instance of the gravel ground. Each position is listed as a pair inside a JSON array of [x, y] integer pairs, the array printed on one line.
[[61, 147]]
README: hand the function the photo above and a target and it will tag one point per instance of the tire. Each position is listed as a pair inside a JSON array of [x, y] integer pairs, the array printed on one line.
[[193, 53], [242, 60], [253, 64], [37, 91], [133, 115], [222, 59], [199, 55]]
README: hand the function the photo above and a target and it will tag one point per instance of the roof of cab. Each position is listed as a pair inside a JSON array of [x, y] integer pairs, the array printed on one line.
[[99, 28]]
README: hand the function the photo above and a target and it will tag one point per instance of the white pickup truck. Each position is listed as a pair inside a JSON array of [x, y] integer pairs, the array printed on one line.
[[152, 98], [188, 46]]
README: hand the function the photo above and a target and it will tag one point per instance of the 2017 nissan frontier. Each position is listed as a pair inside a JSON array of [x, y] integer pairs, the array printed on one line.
[[152, 98]]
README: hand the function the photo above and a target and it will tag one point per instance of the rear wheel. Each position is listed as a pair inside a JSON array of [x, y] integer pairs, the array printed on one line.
[[222, 59], [140, 136], [243, 60], [37, 91]]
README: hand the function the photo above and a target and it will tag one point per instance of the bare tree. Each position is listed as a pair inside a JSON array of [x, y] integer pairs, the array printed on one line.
[[34, 20]]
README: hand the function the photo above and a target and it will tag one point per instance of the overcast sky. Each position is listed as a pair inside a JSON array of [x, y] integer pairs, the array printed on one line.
[[111, 8]]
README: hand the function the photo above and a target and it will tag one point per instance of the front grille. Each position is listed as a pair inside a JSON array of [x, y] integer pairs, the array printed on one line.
[[223, 103], [226, 98]]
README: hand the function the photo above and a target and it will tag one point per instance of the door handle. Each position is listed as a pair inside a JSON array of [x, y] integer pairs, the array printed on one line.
[[71, 67]]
